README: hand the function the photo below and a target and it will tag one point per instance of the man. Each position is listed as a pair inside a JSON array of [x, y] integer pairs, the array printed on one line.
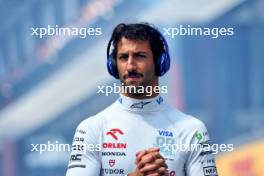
[[140, 134]]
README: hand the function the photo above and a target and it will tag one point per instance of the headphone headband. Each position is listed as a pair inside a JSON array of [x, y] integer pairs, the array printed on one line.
[[162, 64]]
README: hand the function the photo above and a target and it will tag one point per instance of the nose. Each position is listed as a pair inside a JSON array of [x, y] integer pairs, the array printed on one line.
[[131, 64]]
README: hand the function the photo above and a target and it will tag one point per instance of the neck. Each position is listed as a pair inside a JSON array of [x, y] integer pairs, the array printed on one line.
[[147, 93], [139, 105], [140, 96]]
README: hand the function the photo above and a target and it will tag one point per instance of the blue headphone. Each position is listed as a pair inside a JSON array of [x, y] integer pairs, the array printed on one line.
[[162, 64]]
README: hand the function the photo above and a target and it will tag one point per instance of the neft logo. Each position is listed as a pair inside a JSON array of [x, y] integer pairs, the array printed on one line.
[[210, 171], [113, 133], [165, 133]]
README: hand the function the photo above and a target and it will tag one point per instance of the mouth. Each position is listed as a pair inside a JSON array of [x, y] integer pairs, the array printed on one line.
[[133, 77]]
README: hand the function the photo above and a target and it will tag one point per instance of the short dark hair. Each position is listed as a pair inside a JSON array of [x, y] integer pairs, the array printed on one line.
[[138, 31]]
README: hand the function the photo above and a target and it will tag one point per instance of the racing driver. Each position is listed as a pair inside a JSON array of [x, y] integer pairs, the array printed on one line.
[[140, 134]]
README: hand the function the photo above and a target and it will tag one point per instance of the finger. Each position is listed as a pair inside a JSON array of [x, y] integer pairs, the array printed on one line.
[[139, 152], [155, 168], [139, 155], [161, 162], [149, 167], [162, 170], [151, 157], [144, 152], [152, 174], [160, 156], [153, 149], [160, 159], [157, 173]]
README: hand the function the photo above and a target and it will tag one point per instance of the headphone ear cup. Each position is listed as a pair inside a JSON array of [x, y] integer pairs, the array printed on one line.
[[162, 60], [158, 66], [112, 66], [165, 63], [162, 64]]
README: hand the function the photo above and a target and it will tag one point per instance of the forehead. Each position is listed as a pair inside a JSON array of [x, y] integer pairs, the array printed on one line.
[[126, 45]]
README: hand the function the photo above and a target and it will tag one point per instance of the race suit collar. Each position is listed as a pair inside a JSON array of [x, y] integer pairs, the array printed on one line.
[[140, 105]]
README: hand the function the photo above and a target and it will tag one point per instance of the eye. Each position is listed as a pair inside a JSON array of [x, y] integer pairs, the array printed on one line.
[[141, 56], [123, 57]]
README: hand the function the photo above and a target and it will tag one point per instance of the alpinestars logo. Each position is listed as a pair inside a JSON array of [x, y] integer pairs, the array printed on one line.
[[113, 132], [139, 105]]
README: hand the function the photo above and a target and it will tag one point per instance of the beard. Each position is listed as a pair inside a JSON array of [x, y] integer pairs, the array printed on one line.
[[133, 88], [138, 88]]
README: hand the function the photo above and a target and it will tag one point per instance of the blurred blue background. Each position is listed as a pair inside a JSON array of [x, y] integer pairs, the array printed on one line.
[[48, 85]]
